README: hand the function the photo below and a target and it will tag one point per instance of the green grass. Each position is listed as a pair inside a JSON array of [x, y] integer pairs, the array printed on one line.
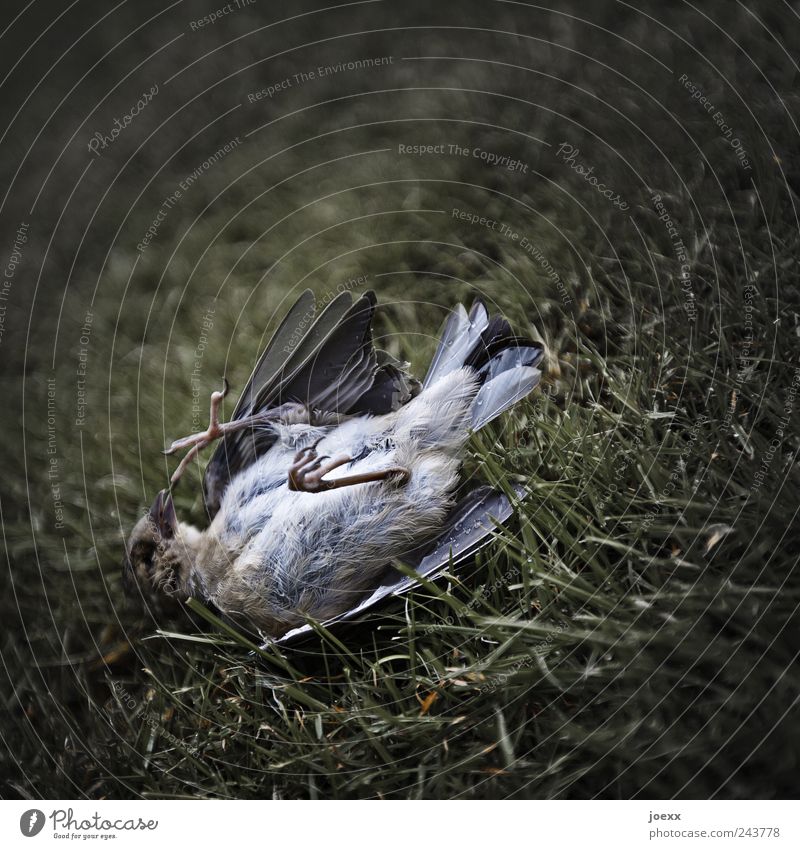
[[631, 632]]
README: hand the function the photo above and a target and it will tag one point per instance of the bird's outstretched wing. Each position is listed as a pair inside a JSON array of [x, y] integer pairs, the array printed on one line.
[[469, 527], [326, 362]]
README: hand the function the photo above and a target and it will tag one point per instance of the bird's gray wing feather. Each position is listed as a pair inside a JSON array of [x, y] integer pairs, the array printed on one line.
[[289, 334], [331, 341]]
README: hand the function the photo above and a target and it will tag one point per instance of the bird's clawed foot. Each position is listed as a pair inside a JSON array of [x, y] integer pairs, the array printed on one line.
[[212, 432], [308, 470], [291, 411], [197, 441]]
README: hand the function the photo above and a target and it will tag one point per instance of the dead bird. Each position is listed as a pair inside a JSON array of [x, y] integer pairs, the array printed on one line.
[[336, 462]]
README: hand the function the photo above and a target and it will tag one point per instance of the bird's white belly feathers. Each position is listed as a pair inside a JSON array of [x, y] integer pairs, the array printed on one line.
[[271, 523], [296, 551]]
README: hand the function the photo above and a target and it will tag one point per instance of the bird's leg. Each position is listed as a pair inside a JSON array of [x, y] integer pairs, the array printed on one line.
[[307, 471], [216, 429], [197, 441]]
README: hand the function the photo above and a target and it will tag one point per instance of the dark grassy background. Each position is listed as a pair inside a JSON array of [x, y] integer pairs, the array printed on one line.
[[633, 633]]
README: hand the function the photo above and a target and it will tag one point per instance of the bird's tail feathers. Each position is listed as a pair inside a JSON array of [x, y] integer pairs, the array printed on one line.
[[502, 392], [505, 363]]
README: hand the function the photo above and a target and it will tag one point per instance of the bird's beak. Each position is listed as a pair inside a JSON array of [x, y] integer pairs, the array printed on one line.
[[162, 514]]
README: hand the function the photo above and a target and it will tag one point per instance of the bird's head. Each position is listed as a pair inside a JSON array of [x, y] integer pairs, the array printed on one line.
[[159, 557]]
